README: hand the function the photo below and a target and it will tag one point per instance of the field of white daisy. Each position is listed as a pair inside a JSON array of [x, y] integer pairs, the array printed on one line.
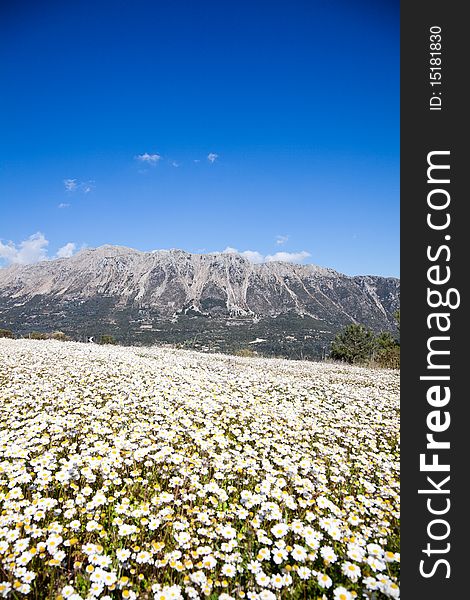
[[157, 473]]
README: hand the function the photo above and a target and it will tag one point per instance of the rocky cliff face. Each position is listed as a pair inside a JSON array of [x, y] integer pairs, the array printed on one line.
[[146, 296]]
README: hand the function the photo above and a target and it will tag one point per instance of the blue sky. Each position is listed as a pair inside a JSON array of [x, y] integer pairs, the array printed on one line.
[[265, 127]]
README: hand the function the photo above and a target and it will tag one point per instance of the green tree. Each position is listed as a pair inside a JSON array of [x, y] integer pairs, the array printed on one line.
[[387, 352], [397, 319], [385, 340], [355, 344], [107, 339]]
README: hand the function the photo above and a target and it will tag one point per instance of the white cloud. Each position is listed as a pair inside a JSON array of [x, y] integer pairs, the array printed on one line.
[[26, 252], [63, 205], [8, 252], [290, 257], [66, 251], [70, 185], [253, 256], [212, 157], [151, 159], [281, 239], [256, 257], [175, 164], [32, 250]]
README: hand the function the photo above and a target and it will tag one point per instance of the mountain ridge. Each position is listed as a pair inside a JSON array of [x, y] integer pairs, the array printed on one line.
[[133, 293]]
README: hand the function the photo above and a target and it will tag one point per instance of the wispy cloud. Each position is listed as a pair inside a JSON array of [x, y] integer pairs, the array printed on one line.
[[256, 257], [281, 239], [28, 251], [70, 185], [150, 159], [73, 185], [63, 205], [66, 251]]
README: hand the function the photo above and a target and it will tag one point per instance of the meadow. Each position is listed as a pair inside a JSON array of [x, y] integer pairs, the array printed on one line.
[[158, 473]]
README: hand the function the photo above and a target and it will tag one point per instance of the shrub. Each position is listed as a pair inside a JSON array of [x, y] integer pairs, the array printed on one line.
[[38, 335], [6, 333], [107, 339], [246, 352], [388, 358], [59, 335], [387, 353]]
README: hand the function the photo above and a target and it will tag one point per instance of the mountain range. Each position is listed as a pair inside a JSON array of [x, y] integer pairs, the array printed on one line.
[[219, 301]]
